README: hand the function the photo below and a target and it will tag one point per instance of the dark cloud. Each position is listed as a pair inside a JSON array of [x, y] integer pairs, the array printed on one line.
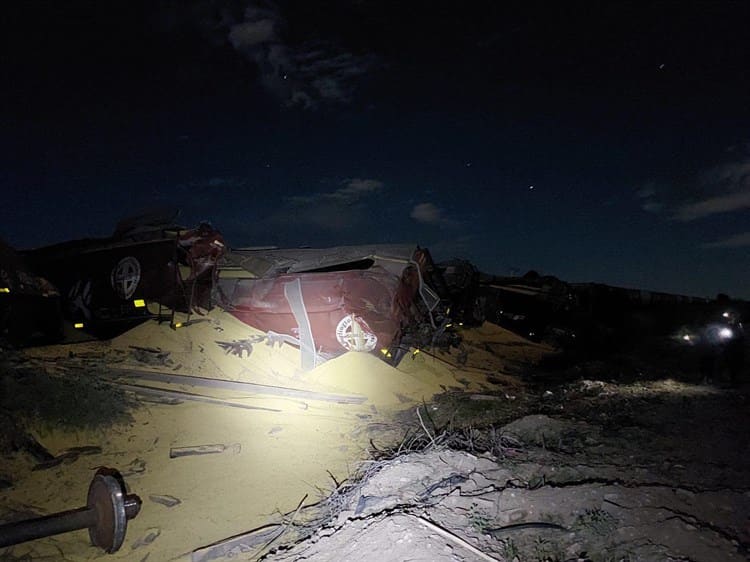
[[305, 74], [219, 182], [426, 213], [352, 191], [429, 213], [712, 206], [715, 191], [336, 210], [728, 187], [648, 198], [211, 185], [737, 241], [249, 34]]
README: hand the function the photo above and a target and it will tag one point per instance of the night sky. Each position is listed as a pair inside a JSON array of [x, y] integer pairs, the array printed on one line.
[[593, 142]]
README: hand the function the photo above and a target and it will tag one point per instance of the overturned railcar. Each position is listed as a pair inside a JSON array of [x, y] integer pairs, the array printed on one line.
[[380, 299], [106, 284], [333, 300]]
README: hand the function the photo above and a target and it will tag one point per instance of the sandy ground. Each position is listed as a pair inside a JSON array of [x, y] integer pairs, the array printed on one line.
[[283, 450], [460, 456]]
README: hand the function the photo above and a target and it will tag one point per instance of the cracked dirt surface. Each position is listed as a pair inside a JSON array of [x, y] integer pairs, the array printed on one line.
[[577, 484]]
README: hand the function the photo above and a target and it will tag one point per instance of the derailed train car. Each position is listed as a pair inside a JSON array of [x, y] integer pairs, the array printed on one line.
[[106, 284], [377, 299], [29, 304]]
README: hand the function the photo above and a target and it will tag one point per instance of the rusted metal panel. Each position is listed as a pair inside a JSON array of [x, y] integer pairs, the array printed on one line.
[[356, 298], [360, 310]]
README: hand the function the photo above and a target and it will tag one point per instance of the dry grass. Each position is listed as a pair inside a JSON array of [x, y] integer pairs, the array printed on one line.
[[72, 401]]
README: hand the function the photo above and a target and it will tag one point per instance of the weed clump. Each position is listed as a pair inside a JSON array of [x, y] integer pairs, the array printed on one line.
[[70, 401]]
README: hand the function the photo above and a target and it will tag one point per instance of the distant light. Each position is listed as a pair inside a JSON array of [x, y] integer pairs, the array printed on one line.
[[78, 325], [686, 337], [139, 303], [725, 314], [725, 333], [531, 188], [4, 289]]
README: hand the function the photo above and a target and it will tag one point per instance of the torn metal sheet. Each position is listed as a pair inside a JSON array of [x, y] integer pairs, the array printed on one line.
[[267, 263], [293, 295]]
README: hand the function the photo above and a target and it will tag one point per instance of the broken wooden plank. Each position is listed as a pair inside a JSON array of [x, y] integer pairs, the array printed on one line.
[[177, 452], [165, 500], [68, 455], [240, 386], [162, 392], [238, 544]]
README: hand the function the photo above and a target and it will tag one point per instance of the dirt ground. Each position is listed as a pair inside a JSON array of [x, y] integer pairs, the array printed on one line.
[[476, 454], [655, 471]]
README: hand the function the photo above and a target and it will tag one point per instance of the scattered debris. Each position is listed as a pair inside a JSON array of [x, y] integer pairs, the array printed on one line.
[[248, 387], [105, 515], [245, 346], [136, 466], [514, 463], [166, 500], [150, 536], [243, 543], [175, 397], [68, 455], [150, 356], [176, 452]]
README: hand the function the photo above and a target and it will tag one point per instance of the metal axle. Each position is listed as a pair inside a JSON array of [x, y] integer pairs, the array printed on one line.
[[105, 516]]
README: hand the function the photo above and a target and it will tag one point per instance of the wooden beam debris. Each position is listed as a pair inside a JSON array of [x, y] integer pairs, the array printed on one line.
[[176, 452], [249, 387], [180, 394], [239, 544]]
